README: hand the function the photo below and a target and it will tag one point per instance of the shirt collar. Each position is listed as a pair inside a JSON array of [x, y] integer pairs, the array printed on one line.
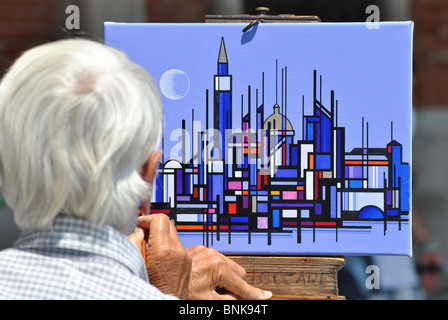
[[71, 237]]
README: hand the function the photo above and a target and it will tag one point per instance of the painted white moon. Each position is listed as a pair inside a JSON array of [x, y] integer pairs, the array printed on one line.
[[174, 84]]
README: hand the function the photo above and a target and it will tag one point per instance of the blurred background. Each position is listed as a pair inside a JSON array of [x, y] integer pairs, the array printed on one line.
[[27, 23]]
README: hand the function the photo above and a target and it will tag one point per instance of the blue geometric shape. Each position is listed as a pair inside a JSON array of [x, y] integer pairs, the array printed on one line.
[[333, 205], [325, 134], [354, 172], [294, 156], [392, 213], [262, 207], [222, 69], [310, 131], [370, 212], [323, 162], [286, 173], [276, 218], [355, 184]]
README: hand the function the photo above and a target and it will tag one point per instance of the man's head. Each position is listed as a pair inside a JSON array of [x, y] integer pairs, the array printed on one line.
[[78, 121]]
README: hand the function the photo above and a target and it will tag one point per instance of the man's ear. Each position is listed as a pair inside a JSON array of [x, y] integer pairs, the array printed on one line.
[[149, 169]]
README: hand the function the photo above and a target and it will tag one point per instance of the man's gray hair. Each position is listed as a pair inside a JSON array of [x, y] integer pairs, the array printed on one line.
[[77, 122]]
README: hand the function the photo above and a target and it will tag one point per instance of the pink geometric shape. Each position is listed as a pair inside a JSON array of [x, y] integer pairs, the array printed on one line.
[[234, 185], [289, 195], [262, 222]]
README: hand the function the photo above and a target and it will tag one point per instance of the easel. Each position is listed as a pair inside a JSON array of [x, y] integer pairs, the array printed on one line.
[[289, 278]]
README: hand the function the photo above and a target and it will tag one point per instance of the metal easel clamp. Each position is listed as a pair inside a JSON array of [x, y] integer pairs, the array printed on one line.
[[261, 11], [260, 16], [250, 25]]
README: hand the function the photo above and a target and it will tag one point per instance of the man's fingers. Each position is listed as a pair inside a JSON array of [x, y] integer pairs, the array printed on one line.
[[158, 226], [224, 296], [155, 220], [137, 237], [239, 270], [212, 270], [206, 253], [161, 231], [236, 285], [145, 207]]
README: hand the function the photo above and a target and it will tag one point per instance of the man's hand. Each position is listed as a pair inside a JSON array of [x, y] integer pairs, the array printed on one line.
[[212, 270], [168, 264], [195, 273]]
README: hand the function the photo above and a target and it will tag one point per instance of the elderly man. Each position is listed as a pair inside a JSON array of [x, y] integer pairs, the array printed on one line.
[[80, 125]]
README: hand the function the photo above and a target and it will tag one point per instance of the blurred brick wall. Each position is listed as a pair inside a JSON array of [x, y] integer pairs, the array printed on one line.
[[27, 23], [430, 53], [23, 25], [177, 11]]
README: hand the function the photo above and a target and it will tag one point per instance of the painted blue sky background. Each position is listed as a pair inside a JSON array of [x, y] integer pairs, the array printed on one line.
[[369, 70]]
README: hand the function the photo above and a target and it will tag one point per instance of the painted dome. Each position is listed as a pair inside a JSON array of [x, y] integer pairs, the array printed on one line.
[[276, 120]]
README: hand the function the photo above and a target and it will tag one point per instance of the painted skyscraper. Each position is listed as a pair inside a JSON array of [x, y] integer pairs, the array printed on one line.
[[222, 95]]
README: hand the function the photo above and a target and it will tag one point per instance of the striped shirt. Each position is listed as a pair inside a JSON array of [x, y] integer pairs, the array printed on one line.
[[76, 259]]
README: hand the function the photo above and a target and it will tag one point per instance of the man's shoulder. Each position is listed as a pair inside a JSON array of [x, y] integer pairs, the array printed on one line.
[[123, 285], [26, 275]]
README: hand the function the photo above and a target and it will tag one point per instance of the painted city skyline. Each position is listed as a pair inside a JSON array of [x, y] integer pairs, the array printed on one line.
[[282, 167]]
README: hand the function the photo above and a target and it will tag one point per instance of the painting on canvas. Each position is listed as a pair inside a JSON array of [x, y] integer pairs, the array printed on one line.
[[287, 139]]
